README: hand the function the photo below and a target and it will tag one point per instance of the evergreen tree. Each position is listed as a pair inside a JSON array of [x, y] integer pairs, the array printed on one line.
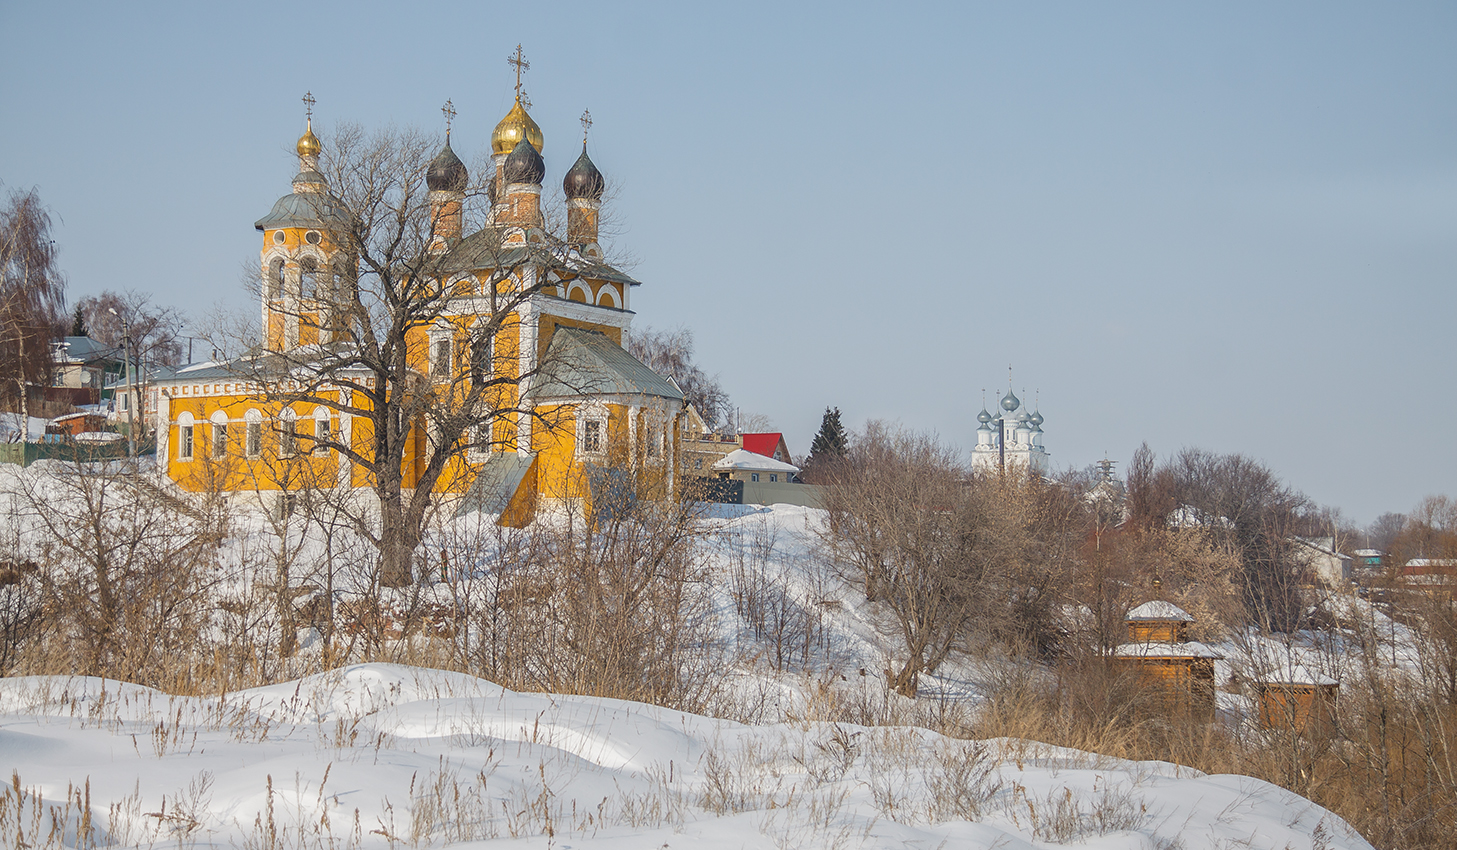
[[831, 440], [78, 323]]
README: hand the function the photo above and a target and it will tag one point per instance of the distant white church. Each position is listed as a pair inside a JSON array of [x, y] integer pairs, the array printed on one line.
[[1011, 438]]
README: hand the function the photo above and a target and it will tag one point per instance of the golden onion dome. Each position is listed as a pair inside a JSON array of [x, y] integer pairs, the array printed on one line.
[[308, 143], [513, 127]]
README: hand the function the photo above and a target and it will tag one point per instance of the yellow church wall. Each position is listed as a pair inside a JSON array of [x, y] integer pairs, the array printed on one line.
[[522, 508], [235, 470]]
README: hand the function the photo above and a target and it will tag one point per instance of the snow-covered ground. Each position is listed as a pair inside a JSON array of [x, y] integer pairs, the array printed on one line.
[[380, 755]]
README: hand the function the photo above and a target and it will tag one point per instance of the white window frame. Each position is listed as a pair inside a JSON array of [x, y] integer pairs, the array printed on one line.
[[253, 434], [439, 371], [185, 436], [287, 433], [594, 413], [323, 430], [219, 448]]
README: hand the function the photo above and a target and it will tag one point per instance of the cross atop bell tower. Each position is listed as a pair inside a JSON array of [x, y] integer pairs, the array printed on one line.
[[518, 59]]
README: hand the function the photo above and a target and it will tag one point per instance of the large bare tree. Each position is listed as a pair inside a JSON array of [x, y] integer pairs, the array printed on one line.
[[32, 295], [405, 274]]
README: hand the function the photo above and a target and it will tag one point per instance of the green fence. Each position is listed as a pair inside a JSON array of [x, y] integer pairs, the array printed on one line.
[[24, 454]]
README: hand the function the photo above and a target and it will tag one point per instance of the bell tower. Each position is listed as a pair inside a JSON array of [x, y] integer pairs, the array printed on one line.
[[303, 263]]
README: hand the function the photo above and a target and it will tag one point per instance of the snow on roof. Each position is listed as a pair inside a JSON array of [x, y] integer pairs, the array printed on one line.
[[1323, 545], [1275, 663], [10, 427], [1192, 649], [1299, 675], [98, 437], [1158, 609], [742, 459], [1368, 553]]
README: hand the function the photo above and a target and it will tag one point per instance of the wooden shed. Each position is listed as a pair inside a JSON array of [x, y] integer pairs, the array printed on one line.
[[1297, 699]]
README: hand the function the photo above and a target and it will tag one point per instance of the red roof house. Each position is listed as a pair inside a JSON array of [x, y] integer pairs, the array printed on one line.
[[768, 445]]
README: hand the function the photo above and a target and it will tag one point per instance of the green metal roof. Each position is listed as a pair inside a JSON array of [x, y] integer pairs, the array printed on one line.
[[305, 209], [580, 362]]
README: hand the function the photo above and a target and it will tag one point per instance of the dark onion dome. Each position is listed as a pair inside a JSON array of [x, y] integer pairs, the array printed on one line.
[[447, 173], [1037, 418], [1010, 402], [524, 164], [983, 417], [583, 180]]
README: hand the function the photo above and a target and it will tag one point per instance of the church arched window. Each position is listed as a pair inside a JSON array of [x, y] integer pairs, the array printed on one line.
[[287, 432], [219, 421], [341, 291], [323, 430], [308, 277], [253, 433], [274, 279], [184, 436]]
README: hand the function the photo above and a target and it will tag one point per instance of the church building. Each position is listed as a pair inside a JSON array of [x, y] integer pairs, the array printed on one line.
[[1011, 438], [599, 417]]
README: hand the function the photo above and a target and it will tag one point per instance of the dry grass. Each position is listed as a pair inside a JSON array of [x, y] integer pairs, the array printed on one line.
[[1387, 768]]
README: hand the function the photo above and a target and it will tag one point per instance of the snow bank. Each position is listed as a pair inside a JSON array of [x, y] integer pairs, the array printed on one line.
[[374, 755]]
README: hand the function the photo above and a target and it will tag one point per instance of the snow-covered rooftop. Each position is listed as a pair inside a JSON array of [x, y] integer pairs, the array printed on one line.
[[1158, 609], [741, 459], [1192, 649]]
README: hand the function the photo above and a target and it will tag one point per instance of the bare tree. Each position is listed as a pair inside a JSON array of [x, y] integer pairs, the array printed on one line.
[[125, 568], [1246, 508], [32, 296], [1383, 531], [899, 519], [156, 330], [670, 354]]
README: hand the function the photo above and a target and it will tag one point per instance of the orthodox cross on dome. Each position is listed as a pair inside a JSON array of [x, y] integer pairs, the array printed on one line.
[[586, 120], [449, 110], [309, 105], [518, 59]]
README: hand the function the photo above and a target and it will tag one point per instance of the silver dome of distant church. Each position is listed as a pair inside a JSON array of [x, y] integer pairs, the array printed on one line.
[[1010, 402]]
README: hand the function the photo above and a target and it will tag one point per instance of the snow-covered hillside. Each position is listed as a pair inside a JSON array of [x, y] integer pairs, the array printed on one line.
[[385, 756]]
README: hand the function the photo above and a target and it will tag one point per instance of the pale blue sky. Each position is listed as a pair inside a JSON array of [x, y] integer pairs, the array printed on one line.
[[1231, 226]]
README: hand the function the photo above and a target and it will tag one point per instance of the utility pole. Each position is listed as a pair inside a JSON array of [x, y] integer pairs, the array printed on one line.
[[131, 428]]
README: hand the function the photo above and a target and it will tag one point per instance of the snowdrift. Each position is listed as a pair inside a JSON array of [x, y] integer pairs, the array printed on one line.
[[380, 755]]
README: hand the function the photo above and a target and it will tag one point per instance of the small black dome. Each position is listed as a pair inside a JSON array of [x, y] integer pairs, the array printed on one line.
[[524, 164], [447, 172], [583, 180]]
